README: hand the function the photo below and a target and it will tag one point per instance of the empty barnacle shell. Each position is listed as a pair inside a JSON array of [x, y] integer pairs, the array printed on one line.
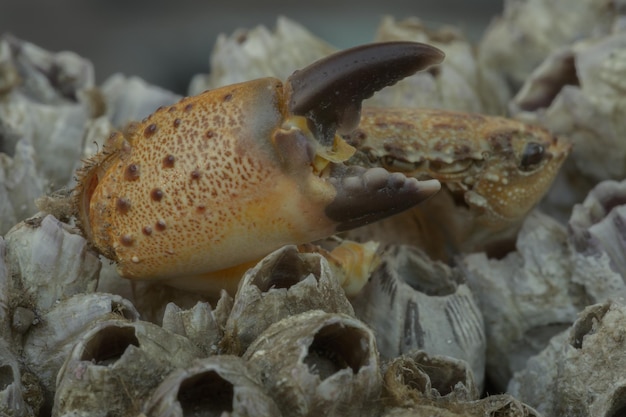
[[492, 406], [198, 324], [418, 378], [577, 92], [528, 31], [130, 98], [596, 236], [11, 390], [426, 385], [526, 298], [46, 77], [20, 184], [42, 121], [284, 283], [256, 53], [412, 302], [458, 83], [9, 77], [5, 291], [318, 363], [581, 372], [215, 386], [47, 344], [49, 262], [115, 366]]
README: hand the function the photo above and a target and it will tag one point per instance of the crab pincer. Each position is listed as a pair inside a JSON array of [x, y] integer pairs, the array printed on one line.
[[213, 183]]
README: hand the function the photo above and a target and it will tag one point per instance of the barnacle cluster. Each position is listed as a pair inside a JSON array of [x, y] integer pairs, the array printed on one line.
[[542, 324]]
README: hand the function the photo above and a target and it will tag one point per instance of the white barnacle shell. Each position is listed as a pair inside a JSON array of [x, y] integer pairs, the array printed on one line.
[[581, 371], [412, 302], [48, 343], [5, 286], [257, 53], [198, 324], [48, 262], [43, 112], [284, 283], [596, 236], [20, 184], [11, 390], [128, 99], [218, 385], [526, 298], [116, 365], [318, 364], [528, 31], [458, 83], [577, 92]]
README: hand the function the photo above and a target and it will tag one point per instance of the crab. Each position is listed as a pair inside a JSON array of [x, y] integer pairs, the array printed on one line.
[[200, 191], [494, 171]]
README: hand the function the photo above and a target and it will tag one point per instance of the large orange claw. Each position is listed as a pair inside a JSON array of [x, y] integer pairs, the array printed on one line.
[[223, 178]]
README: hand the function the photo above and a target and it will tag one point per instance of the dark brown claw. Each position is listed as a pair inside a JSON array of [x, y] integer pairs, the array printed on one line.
[[329, 92]]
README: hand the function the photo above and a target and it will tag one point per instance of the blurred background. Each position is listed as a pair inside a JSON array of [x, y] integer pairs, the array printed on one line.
[[166, 42]]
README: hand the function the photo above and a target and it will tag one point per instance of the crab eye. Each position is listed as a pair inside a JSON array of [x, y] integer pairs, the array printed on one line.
[[533, 154]]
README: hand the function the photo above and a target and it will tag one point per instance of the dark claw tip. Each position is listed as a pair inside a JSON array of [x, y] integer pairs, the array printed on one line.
[[330, 91]]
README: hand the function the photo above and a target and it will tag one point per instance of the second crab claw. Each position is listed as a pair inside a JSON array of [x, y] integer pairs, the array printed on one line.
[[203, 188]]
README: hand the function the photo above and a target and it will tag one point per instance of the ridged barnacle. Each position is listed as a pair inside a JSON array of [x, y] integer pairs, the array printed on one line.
[[528, 31], [459, 83], [198, 324], [420, 378], [596, 236], [536, 301], [249, 54], [48, 262], [318, 364], [577, 91], [412, 302], [43, 113], [216, 386], [11, 390], [115, 366], [286, 282], [581, 372], [46, 346]]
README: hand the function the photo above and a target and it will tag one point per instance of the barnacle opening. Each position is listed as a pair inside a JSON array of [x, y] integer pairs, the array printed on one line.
[[406, 375], [206, 394], [6, 377], [549, 81], [336, 347], [287, 270], [587, 324], [618, 403], [108, 344], [444, 376], [412, 266], [123, 311]]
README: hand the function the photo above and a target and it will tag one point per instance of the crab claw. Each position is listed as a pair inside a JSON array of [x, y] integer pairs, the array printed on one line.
[[329, 92], [219, 180]]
